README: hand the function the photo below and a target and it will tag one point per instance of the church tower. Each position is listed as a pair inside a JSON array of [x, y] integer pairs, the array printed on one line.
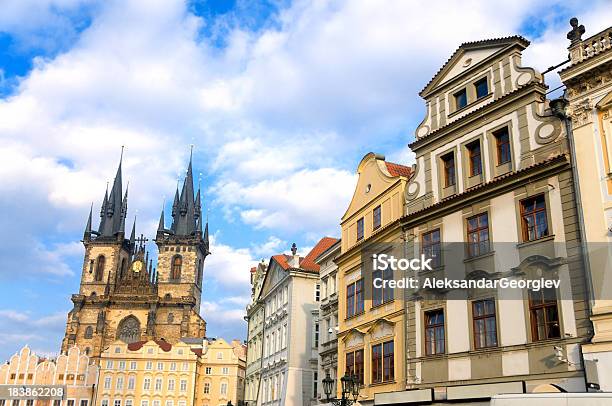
[[121, 295]]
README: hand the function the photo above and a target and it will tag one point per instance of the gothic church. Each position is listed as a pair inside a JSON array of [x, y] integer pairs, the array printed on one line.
[[122, 296]]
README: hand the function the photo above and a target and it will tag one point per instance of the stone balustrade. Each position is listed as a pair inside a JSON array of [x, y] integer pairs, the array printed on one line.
[[591, 46]]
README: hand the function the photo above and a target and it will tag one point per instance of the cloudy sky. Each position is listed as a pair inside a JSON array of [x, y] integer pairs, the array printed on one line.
[[281, 100]]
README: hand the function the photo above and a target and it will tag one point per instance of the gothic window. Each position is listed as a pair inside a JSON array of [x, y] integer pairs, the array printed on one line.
[[177, 264], [100, 267], [170, 317], [88, 332], [129, 330]]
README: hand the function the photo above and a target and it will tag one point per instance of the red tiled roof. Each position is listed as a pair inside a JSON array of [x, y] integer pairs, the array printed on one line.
[[253, 269], [197, 351], [135, 346], [308, 261], [398, 170], [164, 345], [283, 260]]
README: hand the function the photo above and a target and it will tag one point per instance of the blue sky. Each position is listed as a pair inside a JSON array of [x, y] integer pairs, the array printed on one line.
[[281, 100]]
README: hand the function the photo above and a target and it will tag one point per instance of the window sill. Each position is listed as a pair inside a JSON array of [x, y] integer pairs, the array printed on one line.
[[378, 306], [532, 242], [374, 384], [354, 316], [481, 256]]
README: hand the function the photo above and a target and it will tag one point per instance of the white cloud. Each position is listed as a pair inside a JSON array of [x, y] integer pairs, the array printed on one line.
[[229, 267], [18, 328]]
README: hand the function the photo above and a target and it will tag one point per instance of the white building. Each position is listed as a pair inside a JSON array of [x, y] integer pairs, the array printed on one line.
[[290, 295], [255, 320]]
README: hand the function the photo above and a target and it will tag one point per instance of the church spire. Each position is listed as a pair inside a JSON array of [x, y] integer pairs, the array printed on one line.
[[184, 207], [133, 235], [114, 207], [87, 233]]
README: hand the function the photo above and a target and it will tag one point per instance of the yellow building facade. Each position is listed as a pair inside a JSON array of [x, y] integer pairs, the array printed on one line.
[[371, 332], [73, 370], [221, 373], [588, 79], [147, 373]]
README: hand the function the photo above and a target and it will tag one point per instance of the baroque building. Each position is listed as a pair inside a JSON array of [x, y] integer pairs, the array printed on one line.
[[290, 294], [492, 196], [255, 322], [328, 316], [122, 296], [371, 322], [73, 370], [588, 81]]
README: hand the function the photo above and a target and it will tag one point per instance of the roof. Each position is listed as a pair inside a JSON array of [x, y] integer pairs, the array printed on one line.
[[283, 260], [163, 344], [308, 262], [398, 170], [472, 45]]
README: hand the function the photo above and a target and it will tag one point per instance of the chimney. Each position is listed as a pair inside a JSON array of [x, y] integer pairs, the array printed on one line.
[[294, 262]]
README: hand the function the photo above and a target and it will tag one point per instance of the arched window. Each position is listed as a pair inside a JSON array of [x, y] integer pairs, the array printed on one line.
[[129, 330], [100, 267], [88, 332], [177, 264]]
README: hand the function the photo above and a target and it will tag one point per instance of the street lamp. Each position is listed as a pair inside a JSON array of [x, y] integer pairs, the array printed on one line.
[[350, 387]]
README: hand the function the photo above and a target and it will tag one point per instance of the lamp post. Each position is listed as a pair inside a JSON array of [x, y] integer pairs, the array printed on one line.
[[350, 389]]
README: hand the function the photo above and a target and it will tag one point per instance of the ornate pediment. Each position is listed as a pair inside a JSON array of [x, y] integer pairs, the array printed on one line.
[[354, 338], [382, 328]]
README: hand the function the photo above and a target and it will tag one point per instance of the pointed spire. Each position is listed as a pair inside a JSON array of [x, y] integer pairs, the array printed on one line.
[[184, 212], [114, 207], [87, 233], [133, 235]]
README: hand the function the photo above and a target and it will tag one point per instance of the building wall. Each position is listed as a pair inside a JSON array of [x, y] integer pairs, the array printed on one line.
[[589, 90], [130, 377], [221, 374], [74, 370]]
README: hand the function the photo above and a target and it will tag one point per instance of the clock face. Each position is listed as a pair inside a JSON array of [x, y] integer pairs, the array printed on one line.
[[137, 266]]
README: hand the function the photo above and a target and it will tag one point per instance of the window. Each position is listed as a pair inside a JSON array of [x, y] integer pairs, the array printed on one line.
[[354, 364], [316, 334], [460, 99], [129, 402], [30, 402], [315, 382], [482, 88], [156, 402], [354, 298], [185, 366], [177, 264], [121, 365], [109, 364], [100, 268], [544, 314], [474, 157], [183, 387], [171, 384], [376, 217], [485, 328], [117, 402], [58, 402], [448, 163], [219, 355], [131, 382], [434, 332], [144, 403], [160, 366], [224, 388], [502, 145], [119, 384], [384, 293], [88, 332], [206, 387], [317, 292], [173, 366], [208, 370], [432, 247], [133, 365], [146, 385], [158, 384], [169, 402], [382, 362], [533, 218], [478, 234], [225, 371], [107, 382], [149, 365], [360, 229]]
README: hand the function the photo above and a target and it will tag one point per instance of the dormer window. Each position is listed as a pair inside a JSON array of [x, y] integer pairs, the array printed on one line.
[[482, 88], [460, 99], [448, 161]]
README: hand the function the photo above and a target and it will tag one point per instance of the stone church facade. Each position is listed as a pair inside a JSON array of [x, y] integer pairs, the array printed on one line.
[[122, 296]]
